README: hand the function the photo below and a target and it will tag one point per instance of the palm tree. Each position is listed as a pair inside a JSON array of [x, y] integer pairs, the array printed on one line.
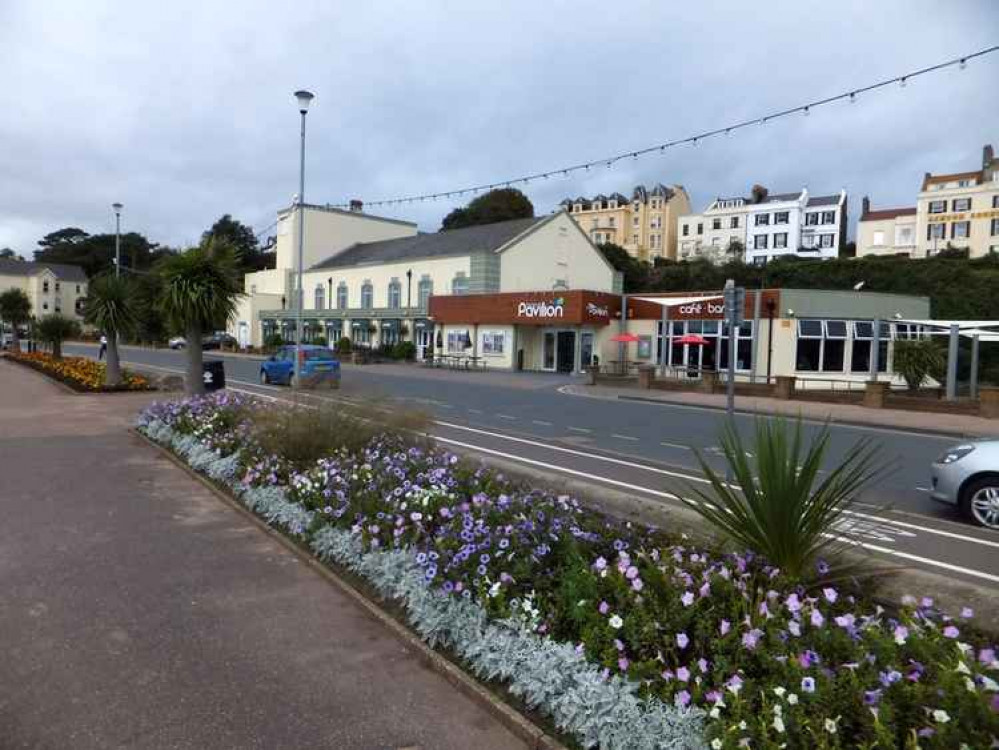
[[111, 308], [201, 287], [15, 308], [54, 329]]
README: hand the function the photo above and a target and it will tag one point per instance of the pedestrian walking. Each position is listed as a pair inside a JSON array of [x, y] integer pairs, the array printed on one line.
[[104, 348]]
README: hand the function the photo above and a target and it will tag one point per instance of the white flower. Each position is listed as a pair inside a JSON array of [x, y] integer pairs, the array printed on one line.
[[714, 713], [743, 725], [778, 724], [615, 622], [494, 589], [779, 692], [940, 716], [716, 744], [830, 726], [989, 684], [793, 699], [969, 684]]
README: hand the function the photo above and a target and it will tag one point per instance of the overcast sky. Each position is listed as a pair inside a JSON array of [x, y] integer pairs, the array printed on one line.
[[183, 110]]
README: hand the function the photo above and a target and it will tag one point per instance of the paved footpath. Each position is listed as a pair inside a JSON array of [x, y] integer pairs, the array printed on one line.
[[139, 611]]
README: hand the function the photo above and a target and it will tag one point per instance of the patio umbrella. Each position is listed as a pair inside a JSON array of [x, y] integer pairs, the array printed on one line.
[[691, 338], [625, 338]]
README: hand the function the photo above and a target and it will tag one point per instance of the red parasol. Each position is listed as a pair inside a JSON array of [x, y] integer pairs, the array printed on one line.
[[691, 338], [625, 338]]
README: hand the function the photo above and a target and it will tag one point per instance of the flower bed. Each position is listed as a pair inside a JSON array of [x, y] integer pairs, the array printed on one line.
[[629, 637], [79, 373]]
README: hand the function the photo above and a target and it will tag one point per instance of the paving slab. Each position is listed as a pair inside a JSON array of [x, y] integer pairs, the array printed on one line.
[[139, 611]]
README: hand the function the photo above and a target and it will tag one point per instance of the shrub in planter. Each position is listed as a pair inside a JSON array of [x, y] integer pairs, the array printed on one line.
[[273, 341], [343, 346], [404, 350], [319, 341], [54, 329], [917, 360]]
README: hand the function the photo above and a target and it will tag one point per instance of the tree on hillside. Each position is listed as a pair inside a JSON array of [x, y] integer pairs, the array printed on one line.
[[9, 254], [95, 253], [15, 310], [634, 271], [201, 287], [496, 205], [243, 241], [112, 308]]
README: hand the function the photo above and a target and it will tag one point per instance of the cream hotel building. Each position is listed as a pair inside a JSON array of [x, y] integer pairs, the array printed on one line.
[[957, 210], [644, 225]]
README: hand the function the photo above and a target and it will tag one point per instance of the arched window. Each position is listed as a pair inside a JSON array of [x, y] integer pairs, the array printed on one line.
[[424, 290], [395, 294], [341, 296], [459, 285], [320, 297], [367, 295]]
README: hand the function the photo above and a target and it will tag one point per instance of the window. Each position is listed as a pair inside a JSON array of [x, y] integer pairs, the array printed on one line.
[[612, 204], [319, 298], [700, 228], [610, 221], [879, 237], [860, 354], [45, 287], [634, 239], [734, 224], [716, 223], [904, 236], [782, 217], [937, 231], [459, 285], [780, 240], [58, 287], [493, 342], [634, 221], [828, 217], [45, 306], [961, 204], [716, 242], [594, 223], [995, 199], [834, 346], [423, 291], [77, 288], [367, 295], [938, 207], [995, 227], [821, 346], [656, 222], [341, 296], [686, 229], [812, 220], [826, 240], [458, 341], [760, 242], [960, 229], [394, 294], [762, 220]]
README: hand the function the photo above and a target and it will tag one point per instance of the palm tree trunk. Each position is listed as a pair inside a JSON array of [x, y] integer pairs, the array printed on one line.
[[57, 349], [15, 341], [194, 382], [112, 371]]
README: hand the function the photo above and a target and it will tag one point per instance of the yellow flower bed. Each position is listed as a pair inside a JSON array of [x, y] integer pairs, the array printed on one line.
[[79, 372]]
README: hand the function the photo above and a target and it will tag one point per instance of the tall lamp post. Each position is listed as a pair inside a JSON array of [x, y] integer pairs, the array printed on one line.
[[304, 98], [117, 238]]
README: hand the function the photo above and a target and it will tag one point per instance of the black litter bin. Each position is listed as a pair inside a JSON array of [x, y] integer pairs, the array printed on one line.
[[214, 374]]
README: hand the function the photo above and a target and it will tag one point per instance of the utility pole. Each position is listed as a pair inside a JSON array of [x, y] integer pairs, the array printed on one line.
[[303, 97]]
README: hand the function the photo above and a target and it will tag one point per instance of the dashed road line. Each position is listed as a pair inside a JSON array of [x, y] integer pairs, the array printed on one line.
[[624, 437], [675, 445], [541, 422], [579, 429], [506, 416]]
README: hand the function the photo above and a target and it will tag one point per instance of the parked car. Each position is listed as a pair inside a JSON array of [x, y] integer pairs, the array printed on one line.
[[218, 340], [177, 342], [967, 476], [319, 366]]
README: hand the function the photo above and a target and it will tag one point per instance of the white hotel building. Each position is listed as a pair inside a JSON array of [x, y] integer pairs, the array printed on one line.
[[767, 226]]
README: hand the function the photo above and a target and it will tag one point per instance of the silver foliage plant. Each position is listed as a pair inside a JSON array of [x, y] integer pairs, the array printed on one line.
[[548, 676]]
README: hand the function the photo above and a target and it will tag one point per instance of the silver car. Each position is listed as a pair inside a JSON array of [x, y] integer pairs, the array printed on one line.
[[967, 476]]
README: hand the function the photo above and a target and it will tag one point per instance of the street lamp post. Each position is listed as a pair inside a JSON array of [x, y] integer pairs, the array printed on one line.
[[304, 98], [117, 238]]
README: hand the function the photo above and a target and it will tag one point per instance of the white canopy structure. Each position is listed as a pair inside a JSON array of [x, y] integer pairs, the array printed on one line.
[[678, 301], [976, 330]]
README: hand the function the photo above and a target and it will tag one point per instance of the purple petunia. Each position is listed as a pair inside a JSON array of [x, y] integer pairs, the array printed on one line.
[[682, 640], [687, 599]]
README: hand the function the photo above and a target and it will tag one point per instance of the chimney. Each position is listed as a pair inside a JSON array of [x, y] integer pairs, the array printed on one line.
[[356, 206], [865, 207], [988, 156], [759, 193]]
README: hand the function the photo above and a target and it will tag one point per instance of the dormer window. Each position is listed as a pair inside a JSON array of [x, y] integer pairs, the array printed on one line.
[[612, 204]]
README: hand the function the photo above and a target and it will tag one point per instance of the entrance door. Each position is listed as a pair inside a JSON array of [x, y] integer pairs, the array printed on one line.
[[566, 351], [424, 342], [548, 352]]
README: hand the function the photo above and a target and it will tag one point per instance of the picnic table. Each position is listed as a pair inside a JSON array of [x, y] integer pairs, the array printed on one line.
[[459, 361]]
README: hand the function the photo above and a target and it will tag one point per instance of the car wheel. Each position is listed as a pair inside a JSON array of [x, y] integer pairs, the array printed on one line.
[[264, 380], [981, 502]]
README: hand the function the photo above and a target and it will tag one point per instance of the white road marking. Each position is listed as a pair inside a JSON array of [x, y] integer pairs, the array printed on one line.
[[624, 437], [541, 422], [506, 416], [621, 462], [676, 445], [476, 411], [445, 406], [922, 489], [578, 429]]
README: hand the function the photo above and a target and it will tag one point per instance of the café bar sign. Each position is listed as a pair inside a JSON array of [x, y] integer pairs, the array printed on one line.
[[542, 309]]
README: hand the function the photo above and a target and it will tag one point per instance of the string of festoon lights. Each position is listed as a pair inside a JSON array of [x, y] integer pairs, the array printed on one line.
[[806, 109]]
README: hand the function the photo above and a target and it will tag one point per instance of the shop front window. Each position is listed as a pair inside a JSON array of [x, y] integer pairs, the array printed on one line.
[[861, 344], [821, 346]]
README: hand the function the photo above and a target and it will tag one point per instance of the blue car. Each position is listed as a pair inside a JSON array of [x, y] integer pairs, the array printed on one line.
[[319, 367]]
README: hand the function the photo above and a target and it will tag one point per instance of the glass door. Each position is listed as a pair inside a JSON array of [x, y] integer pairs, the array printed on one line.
[[548, 351], [585, 349], [566, 351]]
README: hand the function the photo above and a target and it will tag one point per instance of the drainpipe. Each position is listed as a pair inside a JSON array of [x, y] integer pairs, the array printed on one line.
[[624, 323], [876, 349], [664, 341], [771, 305]]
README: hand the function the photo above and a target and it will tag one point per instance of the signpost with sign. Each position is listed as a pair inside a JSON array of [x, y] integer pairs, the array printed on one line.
[[735, 303]]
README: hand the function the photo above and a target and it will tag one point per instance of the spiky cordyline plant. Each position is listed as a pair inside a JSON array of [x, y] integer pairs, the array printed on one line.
[[111, 308], [776, 504], [201, 287]]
